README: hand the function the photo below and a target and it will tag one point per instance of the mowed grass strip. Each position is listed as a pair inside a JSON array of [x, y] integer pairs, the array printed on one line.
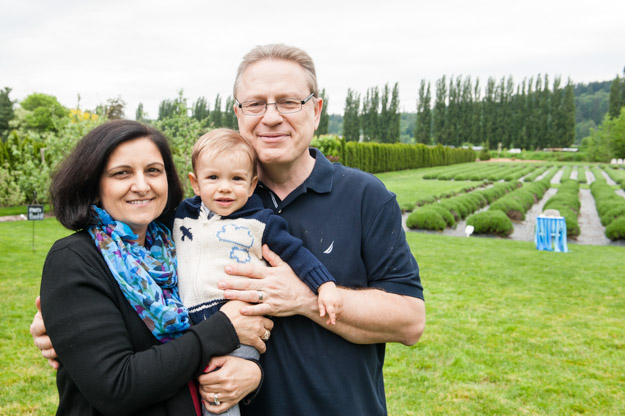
[[510, 330], [409, 186]]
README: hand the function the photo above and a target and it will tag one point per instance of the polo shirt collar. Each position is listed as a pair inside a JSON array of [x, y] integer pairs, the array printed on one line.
[[320, 179]]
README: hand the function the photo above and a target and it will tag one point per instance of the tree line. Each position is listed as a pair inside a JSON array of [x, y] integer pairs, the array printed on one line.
[[531, 115]]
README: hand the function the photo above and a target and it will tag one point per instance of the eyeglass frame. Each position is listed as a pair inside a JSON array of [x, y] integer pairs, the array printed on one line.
[[275, 104]]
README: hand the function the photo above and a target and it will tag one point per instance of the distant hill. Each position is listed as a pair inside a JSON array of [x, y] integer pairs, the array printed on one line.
[[591, 105]]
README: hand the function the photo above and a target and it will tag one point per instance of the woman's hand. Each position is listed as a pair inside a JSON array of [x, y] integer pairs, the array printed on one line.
[[251, 330], [41, 338], [229, 379]]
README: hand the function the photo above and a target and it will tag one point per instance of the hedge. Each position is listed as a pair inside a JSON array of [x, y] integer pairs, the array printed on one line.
[[383, 157]]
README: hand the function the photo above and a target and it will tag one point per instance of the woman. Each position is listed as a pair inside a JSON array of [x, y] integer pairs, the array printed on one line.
[[108, 292]]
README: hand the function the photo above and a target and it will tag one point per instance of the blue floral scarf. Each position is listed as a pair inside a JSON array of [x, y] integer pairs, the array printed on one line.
[[146, 274]]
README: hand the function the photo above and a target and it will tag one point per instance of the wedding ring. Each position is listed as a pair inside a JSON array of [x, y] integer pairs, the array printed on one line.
[[266, 335], [260, 295], [216, 399]]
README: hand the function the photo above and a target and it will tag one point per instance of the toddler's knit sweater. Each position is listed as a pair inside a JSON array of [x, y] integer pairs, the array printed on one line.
[[207, 242]]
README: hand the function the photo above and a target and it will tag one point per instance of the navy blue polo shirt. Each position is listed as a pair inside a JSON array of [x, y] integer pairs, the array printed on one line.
[[352, 224]]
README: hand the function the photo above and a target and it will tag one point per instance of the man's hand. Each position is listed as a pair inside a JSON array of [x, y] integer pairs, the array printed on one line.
[[276, 290], [41, 338]]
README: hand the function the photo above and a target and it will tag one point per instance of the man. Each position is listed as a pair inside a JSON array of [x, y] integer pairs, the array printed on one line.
[[350, 222]]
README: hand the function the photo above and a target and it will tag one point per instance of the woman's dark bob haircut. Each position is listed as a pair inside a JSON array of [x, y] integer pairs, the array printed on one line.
[[75, 185]]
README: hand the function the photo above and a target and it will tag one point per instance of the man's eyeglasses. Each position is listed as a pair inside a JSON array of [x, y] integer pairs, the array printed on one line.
[[284, 106]]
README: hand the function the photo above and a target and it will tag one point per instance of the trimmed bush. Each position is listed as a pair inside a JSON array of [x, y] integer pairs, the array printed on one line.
[[614, 213], [446, 215], [491, 222], [616, 229], [425, 218]]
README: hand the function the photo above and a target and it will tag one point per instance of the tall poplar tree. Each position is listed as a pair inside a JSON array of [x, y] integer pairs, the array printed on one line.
[[324, 119], [370, 109], [423, 126], [200, 111], [439, 117], [351, 117], [229, 117], [216, 115], [394, 116]]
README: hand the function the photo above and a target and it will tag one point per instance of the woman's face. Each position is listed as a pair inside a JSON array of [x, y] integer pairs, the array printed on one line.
[[133, 186]]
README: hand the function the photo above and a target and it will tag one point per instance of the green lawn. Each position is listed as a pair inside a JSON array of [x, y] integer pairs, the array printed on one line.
[[409, 186], [22, 209], [510, 330]]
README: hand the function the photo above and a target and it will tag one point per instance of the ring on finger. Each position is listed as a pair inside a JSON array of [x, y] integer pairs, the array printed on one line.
[[261, 295], [266, 335], [216, 399]]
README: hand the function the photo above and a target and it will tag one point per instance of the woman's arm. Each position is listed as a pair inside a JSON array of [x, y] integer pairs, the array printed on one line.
[[105, 348]]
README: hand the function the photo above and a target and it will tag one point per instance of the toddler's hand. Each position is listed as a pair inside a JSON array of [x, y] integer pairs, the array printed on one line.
[[330, 302]]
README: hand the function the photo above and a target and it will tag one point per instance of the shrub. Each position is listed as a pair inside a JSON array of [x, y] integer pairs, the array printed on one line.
[[446, 215], [616, 229], [484, 154], [614, 213], [10, 193], [425, 218], [491, 222], [512, 207]]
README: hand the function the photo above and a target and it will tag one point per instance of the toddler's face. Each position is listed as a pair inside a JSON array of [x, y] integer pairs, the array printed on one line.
[[224, 182]]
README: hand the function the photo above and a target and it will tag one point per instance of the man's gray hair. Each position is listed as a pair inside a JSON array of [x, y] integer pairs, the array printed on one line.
[[283, 52]]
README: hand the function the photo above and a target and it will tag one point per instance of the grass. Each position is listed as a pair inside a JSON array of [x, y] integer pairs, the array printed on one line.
[[513, 330], [21, 209], [409, 187], [28, 384], [510, 330]]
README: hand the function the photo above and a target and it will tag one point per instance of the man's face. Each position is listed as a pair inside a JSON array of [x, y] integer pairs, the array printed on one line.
[[279, 139]]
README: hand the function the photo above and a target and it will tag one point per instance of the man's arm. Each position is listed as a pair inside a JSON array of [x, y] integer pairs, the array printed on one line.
[[369, 315], [41, 338]]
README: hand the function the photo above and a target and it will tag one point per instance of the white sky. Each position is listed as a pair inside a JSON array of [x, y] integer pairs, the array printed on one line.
[[147, 50]]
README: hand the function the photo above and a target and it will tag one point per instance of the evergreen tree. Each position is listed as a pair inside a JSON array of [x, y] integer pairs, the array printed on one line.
[[369, 118], [453, 113], [6, 112], [384, 120], [324, 119], [424, 114], [140, 115], [439, 117], [476, 125], [490, 111], [216, 115], [351, 118], [229, 116], [394, 116], [200, 111], [465, 129]]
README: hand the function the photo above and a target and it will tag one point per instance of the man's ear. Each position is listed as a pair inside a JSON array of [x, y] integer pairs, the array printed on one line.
[[318, 107]]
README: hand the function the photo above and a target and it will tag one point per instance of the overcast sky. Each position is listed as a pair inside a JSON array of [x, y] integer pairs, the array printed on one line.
[[147, 50]]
